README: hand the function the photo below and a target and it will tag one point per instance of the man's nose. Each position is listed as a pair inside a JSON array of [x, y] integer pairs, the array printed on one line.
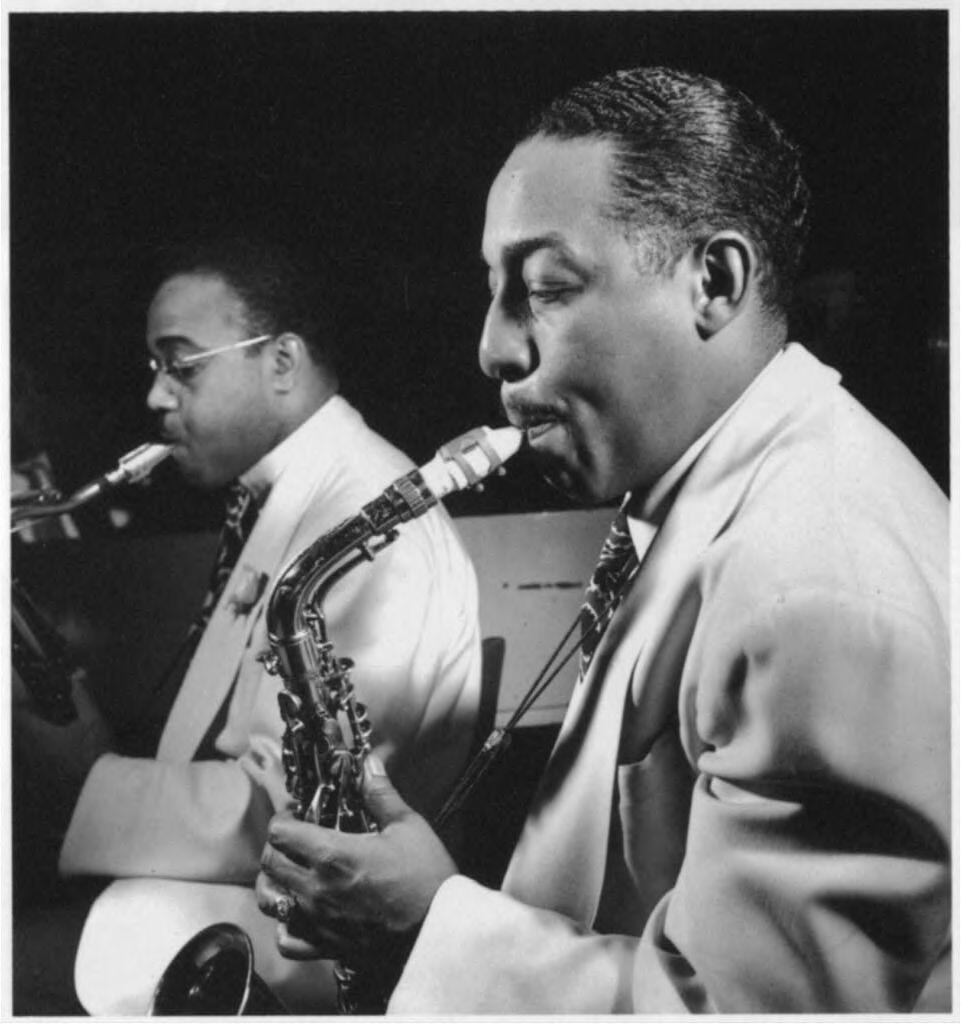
[[506, 351], [160, 397]]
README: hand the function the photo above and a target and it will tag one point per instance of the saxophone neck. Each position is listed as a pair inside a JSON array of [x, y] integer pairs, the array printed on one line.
[[458, 465], [306, 580], [133, 467]]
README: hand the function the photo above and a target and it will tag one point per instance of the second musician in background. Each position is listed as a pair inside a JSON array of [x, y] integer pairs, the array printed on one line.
[[245, 390]]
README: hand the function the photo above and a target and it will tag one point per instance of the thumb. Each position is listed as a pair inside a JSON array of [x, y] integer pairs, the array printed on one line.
[[383, 801]]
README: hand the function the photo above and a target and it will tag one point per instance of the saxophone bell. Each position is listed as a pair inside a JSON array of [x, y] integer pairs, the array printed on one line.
[[213, 974]]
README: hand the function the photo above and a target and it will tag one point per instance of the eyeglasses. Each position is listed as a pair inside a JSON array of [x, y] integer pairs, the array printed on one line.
[[182, 368]]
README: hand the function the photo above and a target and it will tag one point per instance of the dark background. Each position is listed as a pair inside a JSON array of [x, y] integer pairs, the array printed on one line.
[[368, 141]]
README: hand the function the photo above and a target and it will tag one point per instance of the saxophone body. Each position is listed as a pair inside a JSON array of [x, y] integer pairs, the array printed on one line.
[[326, 736], [326, 729]]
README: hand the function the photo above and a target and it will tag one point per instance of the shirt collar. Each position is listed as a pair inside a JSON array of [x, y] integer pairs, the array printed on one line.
[[646, 510], [264, 474]]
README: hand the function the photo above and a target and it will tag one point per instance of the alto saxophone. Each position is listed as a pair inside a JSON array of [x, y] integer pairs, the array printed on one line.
[[327, 730]]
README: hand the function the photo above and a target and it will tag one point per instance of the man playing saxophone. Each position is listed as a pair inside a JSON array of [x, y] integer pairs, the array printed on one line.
[[245, 390], [748, 806]]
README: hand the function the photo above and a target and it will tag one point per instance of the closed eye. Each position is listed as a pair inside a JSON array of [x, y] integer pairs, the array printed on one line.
[[182, 371], [549, 296]]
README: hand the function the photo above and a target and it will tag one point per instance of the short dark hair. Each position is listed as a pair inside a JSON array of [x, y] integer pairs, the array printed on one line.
[[693, 156], [278, 292]]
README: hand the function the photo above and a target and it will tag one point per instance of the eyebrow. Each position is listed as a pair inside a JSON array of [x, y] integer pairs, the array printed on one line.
[[517, 252], [170, 340]]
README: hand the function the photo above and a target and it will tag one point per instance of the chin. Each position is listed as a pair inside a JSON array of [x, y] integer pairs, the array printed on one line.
[[195, 477], [580, 488]]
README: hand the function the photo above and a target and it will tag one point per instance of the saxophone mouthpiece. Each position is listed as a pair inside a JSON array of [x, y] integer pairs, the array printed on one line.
[[506, 441], [134, 466], [468, 459], [138, 464]]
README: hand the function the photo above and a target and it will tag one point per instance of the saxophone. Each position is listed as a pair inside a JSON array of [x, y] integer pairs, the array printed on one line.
[[40, 655], [134, 467], [326, 729]]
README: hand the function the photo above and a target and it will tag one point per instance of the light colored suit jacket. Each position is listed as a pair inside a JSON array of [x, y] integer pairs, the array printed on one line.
[[748, 806], [408, 619]]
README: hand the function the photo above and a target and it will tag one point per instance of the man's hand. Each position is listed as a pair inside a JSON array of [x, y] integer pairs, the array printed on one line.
[[355, 893]]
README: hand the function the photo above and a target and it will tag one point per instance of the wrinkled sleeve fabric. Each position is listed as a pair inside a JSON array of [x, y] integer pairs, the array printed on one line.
[[139, 817], [816, 872], [408, 621], [193, 820], [816, 875]]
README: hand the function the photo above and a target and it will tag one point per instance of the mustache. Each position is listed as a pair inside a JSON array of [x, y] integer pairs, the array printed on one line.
[[522, 412]]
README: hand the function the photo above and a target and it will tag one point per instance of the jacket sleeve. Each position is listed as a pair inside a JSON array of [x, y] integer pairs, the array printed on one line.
[[816, 872], [203, 821], [408, 621]]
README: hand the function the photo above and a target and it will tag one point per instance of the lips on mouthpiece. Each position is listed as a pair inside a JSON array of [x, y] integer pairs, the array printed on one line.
[[535, 431]]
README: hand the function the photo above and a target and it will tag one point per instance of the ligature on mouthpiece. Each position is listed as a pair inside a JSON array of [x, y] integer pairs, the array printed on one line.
[[468, 459], [139, 463], [135, 465]]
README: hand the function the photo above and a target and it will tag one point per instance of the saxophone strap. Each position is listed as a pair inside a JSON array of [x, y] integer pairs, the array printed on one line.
[[603, 605]]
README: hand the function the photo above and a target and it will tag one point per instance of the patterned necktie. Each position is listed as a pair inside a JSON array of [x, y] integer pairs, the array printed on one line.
[[616, 566], [238, 524]]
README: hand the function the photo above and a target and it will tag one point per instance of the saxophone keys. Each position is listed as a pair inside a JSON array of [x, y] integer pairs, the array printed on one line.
[[290, 706], [271, 662], [362, 720]]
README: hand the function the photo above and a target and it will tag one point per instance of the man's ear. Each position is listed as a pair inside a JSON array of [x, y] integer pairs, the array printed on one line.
[[287, 356], [726, 269]]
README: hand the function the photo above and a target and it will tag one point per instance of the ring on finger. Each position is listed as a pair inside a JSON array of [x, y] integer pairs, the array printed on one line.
[[284, 906]]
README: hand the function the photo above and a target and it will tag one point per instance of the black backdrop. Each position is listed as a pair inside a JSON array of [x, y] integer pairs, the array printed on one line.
[[368, 140]]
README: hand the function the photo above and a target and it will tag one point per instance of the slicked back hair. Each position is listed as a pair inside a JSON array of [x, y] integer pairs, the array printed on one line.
[[692, 157], [277, 293]]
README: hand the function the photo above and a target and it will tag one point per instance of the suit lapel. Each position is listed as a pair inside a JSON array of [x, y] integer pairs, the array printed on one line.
[[221, 648], [571, 814], [560, 859], [556, 863]]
